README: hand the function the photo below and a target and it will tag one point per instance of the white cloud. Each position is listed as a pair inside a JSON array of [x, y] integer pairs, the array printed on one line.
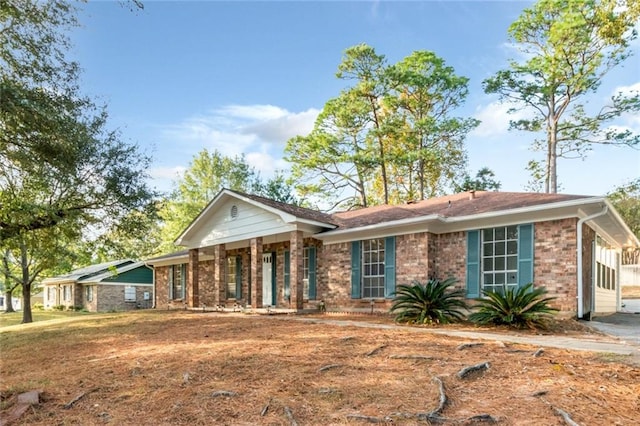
[[265, 163], [630, 90], [280, 129], [166, 172], [495, 119]]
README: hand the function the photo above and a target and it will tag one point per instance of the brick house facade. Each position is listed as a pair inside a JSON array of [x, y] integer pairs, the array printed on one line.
[[120, 285], [249, 252]]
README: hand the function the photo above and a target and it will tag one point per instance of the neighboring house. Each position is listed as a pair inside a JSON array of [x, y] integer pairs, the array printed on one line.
[[255, 252], [17, 301], [120, 285]]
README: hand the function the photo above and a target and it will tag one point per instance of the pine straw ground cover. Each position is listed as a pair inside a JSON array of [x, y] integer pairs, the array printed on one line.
[[186, 368]]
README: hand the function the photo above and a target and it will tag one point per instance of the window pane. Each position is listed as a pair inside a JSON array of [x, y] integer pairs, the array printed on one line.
[[512, 232], [512, 247], [512, 278], [488, 278], [500, 234], [487, 264], [500, 248], [487, 249], [512, 263], [499, 264], [487, 235], [499, 278]]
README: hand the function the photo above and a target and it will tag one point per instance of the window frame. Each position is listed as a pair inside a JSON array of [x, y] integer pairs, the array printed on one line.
[[127, 291], [89, 293], [231, 279], [501, 276], [181, 271], [373, 258]]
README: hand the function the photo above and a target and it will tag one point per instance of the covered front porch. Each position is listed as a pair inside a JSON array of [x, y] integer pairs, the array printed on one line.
[[249, 252]]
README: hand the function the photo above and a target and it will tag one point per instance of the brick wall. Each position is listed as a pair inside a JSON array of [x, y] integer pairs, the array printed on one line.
[[555, 261], [413, 258], [450, 254], [111, 298]]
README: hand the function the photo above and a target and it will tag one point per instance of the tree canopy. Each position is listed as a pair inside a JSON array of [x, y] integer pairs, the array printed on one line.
[[568, 46], [391, 136], [61, 168]]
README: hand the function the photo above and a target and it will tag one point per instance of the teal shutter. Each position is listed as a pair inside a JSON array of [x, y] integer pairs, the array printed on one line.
[[171, 282], [183, 280], [355, 270], [238, 277], [273, 279], [525, 254], [473, 264], [312, 273], [389, 267], [287, 275]]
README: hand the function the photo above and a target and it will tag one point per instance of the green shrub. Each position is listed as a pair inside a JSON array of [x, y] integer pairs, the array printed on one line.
[[38, 307], [429, 303], [59, 308], [518, 308]]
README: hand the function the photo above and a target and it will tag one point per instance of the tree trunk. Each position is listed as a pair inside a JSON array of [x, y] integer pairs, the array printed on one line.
[[8, 306], [551, 178], [26, 285], [8, 301]]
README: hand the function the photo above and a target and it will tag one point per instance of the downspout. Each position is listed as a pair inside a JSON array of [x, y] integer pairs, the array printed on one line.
[[579, 248], [153, 281]]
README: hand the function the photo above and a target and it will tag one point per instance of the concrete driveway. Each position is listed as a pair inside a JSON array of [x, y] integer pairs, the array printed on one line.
[[625, 325]]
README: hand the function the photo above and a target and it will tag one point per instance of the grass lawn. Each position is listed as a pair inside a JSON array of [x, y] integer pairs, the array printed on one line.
[[188, 368], [14, 318]]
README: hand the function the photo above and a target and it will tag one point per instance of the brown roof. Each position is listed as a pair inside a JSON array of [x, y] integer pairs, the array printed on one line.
[[455, 205], [300, 212]]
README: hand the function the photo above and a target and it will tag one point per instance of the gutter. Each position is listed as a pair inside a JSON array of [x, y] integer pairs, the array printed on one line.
[[580, 296]]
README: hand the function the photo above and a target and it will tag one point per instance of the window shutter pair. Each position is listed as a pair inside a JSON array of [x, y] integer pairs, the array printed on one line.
[[389, 268], [474, 254]]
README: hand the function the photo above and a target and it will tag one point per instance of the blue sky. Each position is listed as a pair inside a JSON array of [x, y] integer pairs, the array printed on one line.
[[243, 77]]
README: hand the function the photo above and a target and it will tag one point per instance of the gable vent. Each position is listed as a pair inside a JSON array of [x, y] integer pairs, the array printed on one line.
[[234, 212]]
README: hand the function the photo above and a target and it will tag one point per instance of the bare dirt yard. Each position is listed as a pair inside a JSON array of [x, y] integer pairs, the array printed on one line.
[[187, 368]]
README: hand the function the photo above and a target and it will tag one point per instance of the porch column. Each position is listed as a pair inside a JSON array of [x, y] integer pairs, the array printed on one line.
[[193, 293], [256, 272], [296, 274], [219, 262]]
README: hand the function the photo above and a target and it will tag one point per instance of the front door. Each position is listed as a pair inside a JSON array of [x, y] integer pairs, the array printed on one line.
[[267, 280]]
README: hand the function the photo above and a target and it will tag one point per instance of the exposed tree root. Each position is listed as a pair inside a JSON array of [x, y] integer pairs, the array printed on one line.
[[468, 345], [265, 409], [483, 366], [376, 350], [401, 356], [538, 352], [71, 403], [289, 414], [328, 367], [565, 416], [223, 393], [369, 419]]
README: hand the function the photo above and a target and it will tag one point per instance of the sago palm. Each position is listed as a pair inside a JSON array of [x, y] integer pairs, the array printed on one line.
[[521, 307], [432, 302]]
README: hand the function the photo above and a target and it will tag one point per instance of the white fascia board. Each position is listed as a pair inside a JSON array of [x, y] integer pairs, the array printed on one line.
[[96, 283], [58, 281], [286, 217], [168, 261]]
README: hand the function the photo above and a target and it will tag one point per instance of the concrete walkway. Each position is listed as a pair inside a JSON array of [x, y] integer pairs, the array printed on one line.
[[602, 344]]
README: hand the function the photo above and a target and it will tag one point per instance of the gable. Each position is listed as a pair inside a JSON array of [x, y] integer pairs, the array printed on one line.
[[235, 220], [139, 275]]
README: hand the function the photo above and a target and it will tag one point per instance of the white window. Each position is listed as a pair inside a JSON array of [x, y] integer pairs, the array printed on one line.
[[129, 294], [373, 268], [67, 293], [177, 281], [500, 258], [606, 265], [305, 273], [231, 277], [89, 293]]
